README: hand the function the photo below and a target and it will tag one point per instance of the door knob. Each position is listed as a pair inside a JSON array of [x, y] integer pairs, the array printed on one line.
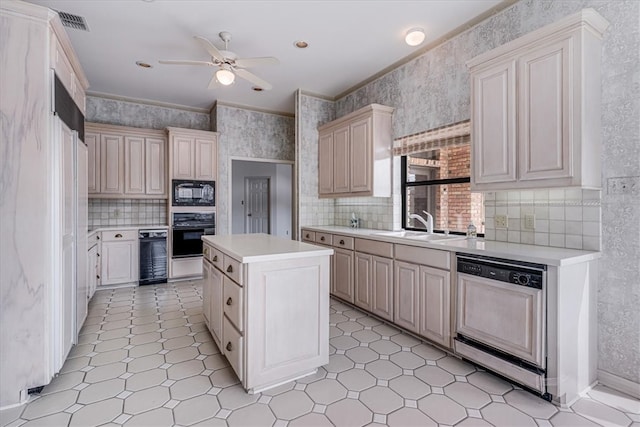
[[248, 214], [229, 346], [229, 301]]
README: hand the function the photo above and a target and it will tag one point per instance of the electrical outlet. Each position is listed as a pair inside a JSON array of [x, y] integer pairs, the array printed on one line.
[[624, 185], [501, 221], [529, 222]]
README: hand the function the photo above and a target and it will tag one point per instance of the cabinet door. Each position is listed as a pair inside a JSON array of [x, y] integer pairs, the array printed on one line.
[[205, 160], [382, 287], [341, 160], [134, 165], [360, 155], [119, 262], [363, 280], [206, 292], [216, 280], [435, 305], [92, 271], [183, 157], [112, 158], [493, 118], [155, 178], [325, 163], [343, 274], [93, 162], [406, 301], [544, 105]]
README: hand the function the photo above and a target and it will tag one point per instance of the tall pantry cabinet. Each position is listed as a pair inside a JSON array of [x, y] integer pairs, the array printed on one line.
[[36, 207]]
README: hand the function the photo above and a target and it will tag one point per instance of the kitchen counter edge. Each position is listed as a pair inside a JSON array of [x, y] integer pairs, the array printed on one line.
[[513, 251]]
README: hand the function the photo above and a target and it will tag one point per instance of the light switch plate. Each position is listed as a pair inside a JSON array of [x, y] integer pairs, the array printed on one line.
[[501, 221], [529, 222]]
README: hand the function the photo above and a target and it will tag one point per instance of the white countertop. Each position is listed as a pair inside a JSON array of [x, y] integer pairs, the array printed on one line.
[[512, 251], [263, 247]]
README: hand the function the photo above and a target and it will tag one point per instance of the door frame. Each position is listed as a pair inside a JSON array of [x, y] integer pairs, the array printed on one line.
[[294, 197], [246, 200]]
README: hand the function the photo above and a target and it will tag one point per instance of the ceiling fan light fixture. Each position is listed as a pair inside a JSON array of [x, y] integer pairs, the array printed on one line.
[[225, 77], [414, 36]]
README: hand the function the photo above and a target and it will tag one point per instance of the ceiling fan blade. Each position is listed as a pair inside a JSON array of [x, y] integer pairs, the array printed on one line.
[[213, 51], [252, 78], [185, 62], [254, 62], [213, 84]]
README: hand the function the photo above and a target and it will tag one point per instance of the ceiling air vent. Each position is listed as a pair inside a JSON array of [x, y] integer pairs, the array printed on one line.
[[73, 21]]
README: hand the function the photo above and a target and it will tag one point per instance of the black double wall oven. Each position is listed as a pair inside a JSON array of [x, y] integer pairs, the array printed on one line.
[[189, 225]]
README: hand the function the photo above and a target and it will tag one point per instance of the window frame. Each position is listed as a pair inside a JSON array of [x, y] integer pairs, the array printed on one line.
[[404, 184]]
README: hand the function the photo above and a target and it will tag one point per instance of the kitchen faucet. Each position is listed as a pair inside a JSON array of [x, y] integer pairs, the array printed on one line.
[[427, 223]]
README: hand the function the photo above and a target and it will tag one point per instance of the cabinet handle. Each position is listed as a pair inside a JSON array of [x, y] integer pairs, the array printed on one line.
[[229, 301], [118, 236], [306, 235], [322, 239], [97, 254], [229, 346], [215, 258], [206, 251], [97, 237], [97, 276], [342, 242], [230, 269]]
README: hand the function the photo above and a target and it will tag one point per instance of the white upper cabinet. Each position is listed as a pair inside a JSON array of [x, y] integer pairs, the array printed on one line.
[[193, 154], [126, 162], [535, 108], [354, 154]]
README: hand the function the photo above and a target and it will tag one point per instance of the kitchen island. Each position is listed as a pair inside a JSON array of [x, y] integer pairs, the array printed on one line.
[[266, 303]]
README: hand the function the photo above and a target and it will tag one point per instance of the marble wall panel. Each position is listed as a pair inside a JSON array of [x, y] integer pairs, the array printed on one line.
[[247, 134], [126, 113], [433, 90]]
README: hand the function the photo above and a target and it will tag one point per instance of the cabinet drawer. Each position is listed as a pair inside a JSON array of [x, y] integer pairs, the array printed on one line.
[[323, 238], [424, 256], [216, 258], [343, 241], [308, 236], [232, 297], [231, 268], [374, 247], [115, 235], [233, 347], [207, 252]]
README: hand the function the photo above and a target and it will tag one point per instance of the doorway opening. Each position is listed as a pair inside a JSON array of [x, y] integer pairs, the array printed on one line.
[[261, 197]]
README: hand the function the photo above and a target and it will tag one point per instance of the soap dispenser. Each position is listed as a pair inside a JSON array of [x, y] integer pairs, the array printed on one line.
[[472, 233]]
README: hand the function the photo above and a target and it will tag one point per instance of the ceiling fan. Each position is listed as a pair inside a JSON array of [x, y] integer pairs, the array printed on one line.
[[228, 64]]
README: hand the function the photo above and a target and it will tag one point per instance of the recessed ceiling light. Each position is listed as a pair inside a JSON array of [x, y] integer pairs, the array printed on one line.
[[301, 44], [257, 88], [143, 64], [414, 36]]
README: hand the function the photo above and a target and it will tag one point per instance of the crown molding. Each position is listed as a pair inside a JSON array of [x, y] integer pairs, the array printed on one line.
[[148, 102]]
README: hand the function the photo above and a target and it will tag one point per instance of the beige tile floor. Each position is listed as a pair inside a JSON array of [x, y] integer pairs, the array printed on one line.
[[145, 358]]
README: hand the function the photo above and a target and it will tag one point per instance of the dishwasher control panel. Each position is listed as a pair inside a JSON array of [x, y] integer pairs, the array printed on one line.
[[507, 271]]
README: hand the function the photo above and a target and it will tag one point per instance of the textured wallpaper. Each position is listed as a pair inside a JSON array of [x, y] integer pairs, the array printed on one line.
[[125, 113], [433, 90], [311, 112], [247, 134]]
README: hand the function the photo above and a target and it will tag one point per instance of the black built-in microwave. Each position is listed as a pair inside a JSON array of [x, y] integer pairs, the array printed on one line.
[[193, 193]]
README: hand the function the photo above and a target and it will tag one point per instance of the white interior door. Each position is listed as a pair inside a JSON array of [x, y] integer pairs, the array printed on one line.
[[257, 205]]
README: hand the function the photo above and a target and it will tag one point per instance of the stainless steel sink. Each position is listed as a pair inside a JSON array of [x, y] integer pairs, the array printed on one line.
[[420, 235], [401, 233]]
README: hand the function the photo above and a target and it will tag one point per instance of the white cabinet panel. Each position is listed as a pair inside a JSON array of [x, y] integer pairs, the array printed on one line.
[[183, 157], [325, 164], [360, 176], [205, 160], [112, 166], [343, 274], [435, 305], [134, 174], [155, 166], [341, 160], [119, 261], [406, 301], [93, 165]]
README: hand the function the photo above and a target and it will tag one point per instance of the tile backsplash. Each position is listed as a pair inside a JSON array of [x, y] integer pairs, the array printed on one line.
[[374, 212], [109, 212], [564, 218]]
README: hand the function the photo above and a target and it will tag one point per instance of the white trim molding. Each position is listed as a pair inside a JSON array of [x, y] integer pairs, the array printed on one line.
[[618, 383]]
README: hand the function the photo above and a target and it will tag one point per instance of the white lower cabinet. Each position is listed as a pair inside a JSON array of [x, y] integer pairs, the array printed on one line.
[[93, 270], [435, 303], [119, 257], [343, 274], [206, 291], [407, 302], [374, 277]]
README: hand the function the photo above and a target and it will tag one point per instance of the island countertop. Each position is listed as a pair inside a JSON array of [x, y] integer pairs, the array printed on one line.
[[263, 247]]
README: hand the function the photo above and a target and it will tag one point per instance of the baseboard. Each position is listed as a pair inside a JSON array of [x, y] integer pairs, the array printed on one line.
[[618, 383]]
